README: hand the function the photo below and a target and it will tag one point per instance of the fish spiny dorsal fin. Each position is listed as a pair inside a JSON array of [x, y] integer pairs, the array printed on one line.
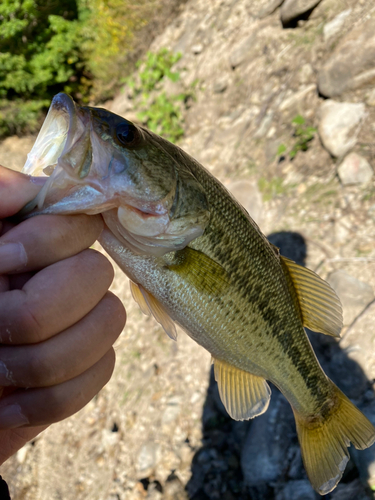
[[150, 305], [244, 395], [321, 308]]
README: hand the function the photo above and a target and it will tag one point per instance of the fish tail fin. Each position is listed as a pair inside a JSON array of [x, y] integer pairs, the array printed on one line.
[[324, 440]]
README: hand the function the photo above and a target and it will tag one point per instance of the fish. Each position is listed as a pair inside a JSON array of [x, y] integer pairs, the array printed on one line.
[[195, 258]]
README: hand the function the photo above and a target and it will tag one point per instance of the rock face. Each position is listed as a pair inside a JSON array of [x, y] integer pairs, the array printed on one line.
[[352, 64], [339, 125], [292, 9], [355, 170], [333, 27]]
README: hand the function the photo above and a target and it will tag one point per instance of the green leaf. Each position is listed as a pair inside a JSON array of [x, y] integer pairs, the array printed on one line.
[[298, 120]]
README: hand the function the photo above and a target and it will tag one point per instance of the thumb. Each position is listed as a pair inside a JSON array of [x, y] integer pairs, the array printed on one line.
[[16, 190]]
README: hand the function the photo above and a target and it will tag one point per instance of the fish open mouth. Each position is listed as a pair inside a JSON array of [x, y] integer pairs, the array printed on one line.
[[59, 150], [59, 131]]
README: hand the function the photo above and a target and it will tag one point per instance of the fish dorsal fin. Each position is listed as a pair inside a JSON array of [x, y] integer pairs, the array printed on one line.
[[244, 395], [320, 306], [149, 305]]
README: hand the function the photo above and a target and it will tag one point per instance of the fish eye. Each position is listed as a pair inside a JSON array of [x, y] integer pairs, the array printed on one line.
[[127, 134]]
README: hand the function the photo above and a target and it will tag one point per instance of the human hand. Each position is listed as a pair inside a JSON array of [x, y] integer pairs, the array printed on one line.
[[57, 319]]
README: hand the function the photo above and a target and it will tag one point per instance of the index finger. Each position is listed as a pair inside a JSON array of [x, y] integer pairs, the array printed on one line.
[[16, 190]]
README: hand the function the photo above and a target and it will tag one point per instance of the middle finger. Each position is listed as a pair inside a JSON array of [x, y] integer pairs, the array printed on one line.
[[54, 299]]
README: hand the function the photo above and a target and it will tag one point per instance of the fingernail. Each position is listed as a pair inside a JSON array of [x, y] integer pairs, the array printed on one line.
[[6, 378], [11, 417], [13, 257]]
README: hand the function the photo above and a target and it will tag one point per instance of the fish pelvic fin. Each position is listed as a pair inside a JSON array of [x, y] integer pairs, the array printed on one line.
[[324, 440], [243, 394], [150, 305], [320, 306]]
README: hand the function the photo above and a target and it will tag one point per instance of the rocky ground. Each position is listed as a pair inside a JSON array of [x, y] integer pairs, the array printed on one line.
[[158, 429]]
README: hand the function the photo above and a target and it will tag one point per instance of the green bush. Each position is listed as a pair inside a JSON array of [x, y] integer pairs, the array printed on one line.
[[40, 55], [75, 46], [161, 113]]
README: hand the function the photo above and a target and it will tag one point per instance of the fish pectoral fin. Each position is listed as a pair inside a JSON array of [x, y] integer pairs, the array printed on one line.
[[202, 272], [243, 394], [325, 438], [320, 306], [149, 305], [139, 298]]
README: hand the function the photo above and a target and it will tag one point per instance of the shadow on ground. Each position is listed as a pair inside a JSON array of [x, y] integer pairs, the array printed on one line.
[[261, 459]]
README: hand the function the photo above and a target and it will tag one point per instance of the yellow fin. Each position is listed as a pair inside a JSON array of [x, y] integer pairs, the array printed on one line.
[[244, 395], [149, 304], [321, 308], [324, 441], [200, 271], [138, 297]]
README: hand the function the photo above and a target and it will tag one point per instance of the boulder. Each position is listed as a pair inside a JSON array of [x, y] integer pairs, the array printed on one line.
[[355, 170], [291, 10], [339, 125], [269, 8], [352, 63]]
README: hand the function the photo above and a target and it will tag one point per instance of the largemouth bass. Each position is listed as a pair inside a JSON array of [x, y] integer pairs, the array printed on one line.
[[196, 258]]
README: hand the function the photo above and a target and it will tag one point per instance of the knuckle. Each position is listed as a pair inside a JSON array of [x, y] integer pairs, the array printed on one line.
[[31, 326], [41, 372], [96, 262]]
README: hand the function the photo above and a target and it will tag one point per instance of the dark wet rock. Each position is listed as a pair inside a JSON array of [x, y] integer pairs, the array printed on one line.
[[291, 10], [365, 459], [355, 169], [354, 294], [296, 490], [263, 457], [352, 64], [339, 125], [351, 491]]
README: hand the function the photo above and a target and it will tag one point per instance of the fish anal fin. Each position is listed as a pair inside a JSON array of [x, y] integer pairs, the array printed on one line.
[[320, 306], [150, 305], [243, 394], [324, 441], [202, 272]]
